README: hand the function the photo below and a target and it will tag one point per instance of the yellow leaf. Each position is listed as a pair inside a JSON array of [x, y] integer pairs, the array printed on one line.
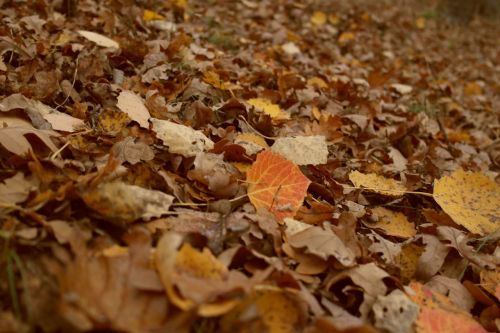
[[490, 280], [420, 22], [317, 82], [269, 108], [472, 88], [214, 80], [318, 18], [377, 184], [333, 19], [407, 261], [278, 311], [471, 199], [392, 223], [346, 37], [150, 15], [180, 3]]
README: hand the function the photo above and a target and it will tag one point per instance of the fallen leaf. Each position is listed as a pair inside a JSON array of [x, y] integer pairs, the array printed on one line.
[[318, 18], [395, 313], [302, 150], [324, 243], [402, 89], [181, 139], [278, 311], [377, 184], [13, 139], [133, 105], [432, 258], [123, 203], [276, 184], [15, 189], [150, 15], [490, 280], [266, 106], [453, 289], [214, 80], [251, 142], [132, 152], [346, 37], [392, 223], [420, 23], [99, 39], [42, 114], [472, 89], [470, 199], [290, 48]]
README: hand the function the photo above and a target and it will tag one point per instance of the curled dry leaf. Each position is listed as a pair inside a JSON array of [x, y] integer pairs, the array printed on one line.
[[196, 280], [42, 116], [276, 184], [377, 184], [14, 139], [123, 203], [133, 105], [302, 150], [181, 139], [471, 199], [16, 189], [323, 243]]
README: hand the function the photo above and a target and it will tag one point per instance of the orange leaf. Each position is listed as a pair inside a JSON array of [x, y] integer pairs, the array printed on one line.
[[276, 184]]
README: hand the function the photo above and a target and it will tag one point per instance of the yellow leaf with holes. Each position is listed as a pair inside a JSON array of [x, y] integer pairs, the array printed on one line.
[[471, 199], [318, 18], [392, 223], [346, 37], [269, 108], [377, 184], [420, 22], [472, 88], [214, 80], [150, 15]]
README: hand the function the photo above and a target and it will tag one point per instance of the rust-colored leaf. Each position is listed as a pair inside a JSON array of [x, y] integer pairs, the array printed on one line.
[[276, 184]]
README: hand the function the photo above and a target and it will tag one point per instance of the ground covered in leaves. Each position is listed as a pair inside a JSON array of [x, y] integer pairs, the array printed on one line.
[[248, 166]]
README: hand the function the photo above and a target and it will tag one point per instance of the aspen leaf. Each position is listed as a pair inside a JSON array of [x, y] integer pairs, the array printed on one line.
[[471, 200], [377, 184], [278, 311], [133, 105], [302, 150], [392, 223], [269, 108], [181, 139], [276, 184], [99, 39]]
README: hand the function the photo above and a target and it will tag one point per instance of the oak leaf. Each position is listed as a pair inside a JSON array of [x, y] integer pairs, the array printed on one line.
[[276, 184]]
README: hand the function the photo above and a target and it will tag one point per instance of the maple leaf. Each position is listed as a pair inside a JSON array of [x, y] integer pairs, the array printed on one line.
[[471, 199], [276, 184]]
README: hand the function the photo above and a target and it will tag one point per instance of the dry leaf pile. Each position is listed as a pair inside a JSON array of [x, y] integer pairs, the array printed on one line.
[[248, 166]]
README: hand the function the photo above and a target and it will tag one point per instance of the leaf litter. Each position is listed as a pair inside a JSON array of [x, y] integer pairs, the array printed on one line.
[[249, 166]]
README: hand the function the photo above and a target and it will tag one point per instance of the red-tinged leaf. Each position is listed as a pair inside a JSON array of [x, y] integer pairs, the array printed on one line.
[[442, 321], [276, 184]]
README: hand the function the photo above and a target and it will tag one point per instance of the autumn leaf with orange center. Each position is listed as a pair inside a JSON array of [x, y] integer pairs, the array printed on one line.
[[276, 184]]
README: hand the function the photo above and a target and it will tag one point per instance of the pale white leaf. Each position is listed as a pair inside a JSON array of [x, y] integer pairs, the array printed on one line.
[[403, 89], [99, 39], [12, 139], [302, 150], [181, 139], [133, 105]]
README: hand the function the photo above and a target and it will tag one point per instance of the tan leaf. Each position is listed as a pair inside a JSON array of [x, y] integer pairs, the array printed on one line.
[[471, 199], [99, 39], [133, 105], [13, 139], [15, 189]]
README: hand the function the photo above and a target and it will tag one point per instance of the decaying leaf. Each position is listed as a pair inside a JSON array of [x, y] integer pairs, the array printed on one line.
[[302, 150], [99, 39], [133, 152], [181, 139], [123, 203], [276, 184], [133, 105], [14, 139], [42, 116], [471, 199], [392, 223], [395, 312], [377, 184]]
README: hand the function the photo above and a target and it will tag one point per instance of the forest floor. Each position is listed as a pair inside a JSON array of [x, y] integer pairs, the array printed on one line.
[[248, 166]]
